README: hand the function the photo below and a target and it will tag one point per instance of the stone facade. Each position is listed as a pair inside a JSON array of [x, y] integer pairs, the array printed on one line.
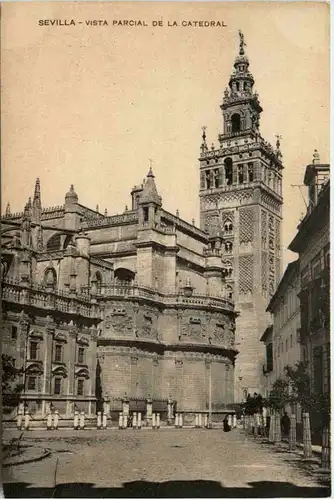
[[241, 193], [312, 242], [126, 307]]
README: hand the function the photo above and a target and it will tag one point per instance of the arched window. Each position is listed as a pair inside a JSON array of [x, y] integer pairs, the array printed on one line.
[[229, 292], [50, 277], [228, 226], [123, 275], [236, 123], [240, 174], [228, 270], [228, 171], [53, 243], [228, 247]]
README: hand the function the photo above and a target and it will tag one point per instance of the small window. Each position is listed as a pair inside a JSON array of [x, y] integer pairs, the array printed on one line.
[[33, 350], [14, 332], [145, 214], [57, 385], [58, 353], [286, 345], [291, 340], [81, 355], [32, 383], [228, 247], [80, 390]]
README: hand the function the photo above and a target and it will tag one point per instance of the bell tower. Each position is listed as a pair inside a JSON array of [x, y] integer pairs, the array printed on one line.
[[241, 191]]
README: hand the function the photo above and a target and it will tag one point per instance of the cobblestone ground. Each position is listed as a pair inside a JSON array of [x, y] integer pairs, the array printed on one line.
[[165, 463]]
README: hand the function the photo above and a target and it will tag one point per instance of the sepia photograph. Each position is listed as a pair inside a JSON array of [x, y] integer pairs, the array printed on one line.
[[165, 249]]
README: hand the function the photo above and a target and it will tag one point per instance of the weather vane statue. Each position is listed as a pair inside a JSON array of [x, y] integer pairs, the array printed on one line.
[[242, 43]]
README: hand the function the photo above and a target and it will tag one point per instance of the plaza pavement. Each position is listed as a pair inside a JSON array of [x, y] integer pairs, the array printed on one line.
[[165, 463]]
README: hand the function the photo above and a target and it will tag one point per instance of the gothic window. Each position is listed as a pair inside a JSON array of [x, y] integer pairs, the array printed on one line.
[[237, 86], [208, 179], [236, 123], [240, 174], [53, 243], [250, 172], [228, 171], [145, 210], [228, 247], [228, 269]]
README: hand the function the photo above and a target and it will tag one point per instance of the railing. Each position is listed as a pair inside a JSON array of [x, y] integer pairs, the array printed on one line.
[[38, 296], [127, 218], [135, 290]]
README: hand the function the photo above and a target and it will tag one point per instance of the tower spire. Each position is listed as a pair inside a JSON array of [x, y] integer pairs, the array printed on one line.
[[8, 212], [36, 204], [242, 43]]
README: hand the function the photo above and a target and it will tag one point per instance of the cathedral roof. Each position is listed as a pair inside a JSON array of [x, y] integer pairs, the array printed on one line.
[[150, 192]]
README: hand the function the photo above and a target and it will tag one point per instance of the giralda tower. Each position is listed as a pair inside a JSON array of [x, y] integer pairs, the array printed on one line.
[[241, 194]]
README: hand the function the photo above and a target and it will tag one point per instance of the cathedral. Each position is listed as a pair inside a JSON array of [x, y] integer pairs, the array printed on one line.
[[144, 306]]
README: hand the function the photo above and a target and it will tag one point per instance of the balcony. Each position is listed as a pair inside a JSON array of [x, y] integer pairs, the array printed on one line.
[[131, 291], [37, 296]]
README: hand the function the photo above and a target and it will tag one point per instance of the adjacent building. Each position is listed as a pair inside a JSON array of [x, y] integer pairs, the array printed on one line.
[[282, 338], [312, 243]]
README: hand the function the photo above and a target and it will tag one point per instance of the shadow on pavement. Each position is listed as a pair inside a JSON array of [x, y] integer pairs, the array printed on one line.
[[169, 489]]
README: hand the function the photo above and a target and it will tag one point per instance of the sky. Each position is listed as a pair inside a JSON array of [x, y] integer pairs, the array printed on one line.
[[90, 105]]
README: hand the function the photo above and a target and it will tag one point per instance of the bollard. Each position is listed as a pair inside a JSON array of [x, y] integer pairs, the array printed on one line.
[[99, 421], [271, 427], [180, 420], [307, 443], [56, 420], [104, 420], [200, 420], [158, 420], [26, 421], [205, 420], [49, 421], [134, 421], [120, 421], [76, 420], [19, 420], [153, 420], [82, 420], [234, 423], [176, 420], [139, 421], [325, 450], [292, 433], [125, 421], [277, 429], [196, 420]]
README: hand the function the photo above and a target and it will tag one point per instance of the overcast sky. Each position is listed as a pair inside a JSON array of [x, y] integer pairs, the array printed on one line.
[[89, 105]]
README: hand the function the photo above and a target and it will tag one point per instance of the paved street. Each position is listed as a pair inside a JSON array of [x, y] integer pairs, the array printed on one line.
[[165, 463]]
